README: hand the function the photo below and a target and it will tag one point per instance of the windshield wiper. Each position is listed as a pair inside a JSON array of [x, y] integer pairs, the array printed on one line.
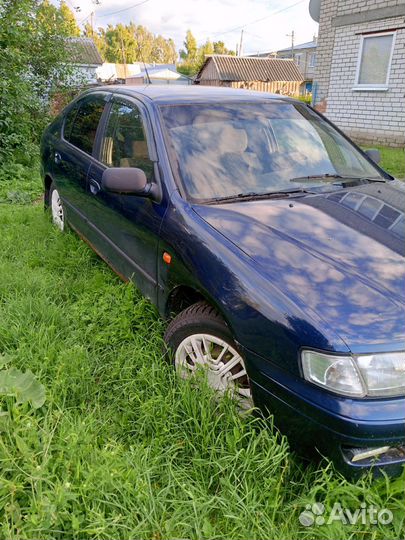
[[328, 177], [281, 194]]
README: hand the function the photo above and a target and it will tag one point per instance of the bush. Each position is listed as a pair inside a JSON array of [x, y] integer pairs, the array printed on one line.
[[20, 184], [306, 99], [33, 60]]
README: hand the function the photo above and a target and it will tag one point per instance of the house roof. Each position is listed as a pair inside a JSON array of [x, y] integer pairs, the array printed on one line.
[[83, 51], [239, 68], [301, 46], [307, 45]]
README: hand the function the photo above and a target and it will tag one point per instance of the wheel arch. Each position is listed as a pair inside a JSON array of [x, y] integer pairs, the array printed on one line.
[[184, 296]]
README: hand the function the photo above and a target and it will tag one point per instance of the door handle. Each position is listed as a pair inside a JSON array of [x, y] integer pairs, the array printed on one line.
[[57, 158], [94, 186]]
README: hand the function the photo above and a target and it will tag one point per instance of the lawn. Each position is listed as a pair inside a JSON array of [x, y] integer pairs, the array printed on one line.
[[393, 160], [121, 449]]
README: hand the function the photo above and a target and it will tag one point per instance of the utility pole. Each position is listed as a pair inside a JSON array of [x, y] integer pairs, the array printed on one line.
[[124, 56], [241, 43], [292, 36], [95, 3]]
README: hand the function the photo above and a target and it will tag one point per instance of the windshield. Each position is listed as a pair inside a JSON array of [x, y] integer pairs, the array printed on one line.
[[239, 148]]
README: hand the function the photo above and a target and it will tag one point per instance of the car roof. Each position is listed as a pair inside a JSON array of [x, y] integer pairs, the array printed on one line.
[[176, 94]]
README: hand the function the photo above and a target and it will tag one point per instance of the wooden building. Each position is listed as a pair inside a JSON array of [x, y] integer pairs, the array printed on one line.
[[275, 75]]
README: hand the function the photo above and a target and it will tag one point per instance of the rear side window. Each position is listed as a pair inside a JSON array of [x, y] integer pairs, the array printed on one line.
[[82, 121]]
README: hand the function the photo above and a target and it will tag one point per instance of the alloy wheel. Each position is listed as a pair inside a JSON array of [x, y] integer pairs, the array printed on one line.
[[58, 215], [223, 364]]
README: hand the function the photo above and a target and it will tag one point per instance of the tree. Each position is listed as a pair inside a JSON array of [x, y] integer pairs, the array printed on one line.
[[219, 48], [193, 57], [57, 20], [68, 24], [33, 61], [132, 43], [189, 54]]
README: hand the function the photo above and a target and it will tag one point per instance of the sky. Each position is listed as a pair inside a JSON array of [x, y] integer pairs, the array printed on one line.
[[266, 23]]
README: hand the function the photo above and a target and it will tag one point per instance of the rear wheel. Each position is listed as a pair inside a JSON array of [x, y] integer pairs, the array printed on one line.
[[57, 210], [199, 338]]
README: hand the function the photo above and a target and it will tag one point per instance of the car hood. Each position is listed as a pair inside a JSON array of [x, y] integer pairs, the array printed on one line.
[[336, 259]]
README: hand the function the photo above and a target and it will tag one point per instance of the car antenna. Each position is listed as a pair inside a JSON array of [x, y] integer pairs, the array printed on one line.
[[143, 61]]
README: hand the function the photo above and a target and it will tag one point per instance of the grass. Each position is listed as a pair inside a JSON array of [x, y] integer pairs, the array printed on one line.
[[121, 448], [393, 160]]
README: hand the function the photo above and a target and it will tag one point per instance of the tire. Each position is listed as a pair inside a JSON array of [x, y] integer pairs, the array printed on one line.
[[198, 336], [56, 207]]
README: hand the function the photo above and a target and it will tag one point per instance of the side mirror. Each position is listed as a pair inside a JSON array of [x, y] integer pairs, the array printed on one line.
[[126, 181], [374, 154]]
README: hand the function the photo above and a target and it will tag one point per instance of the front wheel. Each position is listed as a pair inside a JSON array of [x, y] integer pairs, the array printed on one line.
[[57, 210], [199, 338]]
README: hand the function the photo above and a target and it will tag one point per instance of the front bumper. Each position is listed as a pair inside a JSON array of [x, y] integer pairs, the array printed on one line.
[[336, 426]]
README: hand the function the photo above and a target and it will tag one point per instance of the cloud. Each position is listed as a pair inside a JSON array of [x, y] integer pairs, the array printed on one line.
[[214, 19]]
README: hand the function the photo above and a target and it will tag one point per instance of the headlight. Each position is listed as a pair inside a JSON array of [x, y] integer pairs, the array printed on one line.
[[383, 374], [357, 376]]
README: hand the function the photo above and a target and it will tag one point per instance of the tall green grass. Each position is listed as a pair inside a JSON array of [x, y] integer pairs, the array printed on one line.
[[122, 449]]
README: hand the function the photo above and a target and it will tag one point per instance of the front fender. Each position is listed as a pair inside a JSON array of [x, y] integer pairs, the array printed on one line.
[[261, 318]]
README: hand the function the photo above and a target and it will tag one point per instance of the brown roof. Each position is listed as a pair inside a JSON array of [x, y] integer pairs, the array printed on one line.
[[83, 51], [240, 68]]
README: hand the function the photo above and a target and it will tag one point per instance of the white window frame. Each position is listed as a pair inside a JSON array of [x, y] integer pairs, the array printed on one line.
[[299, 57], [312, 60], [372, 87]]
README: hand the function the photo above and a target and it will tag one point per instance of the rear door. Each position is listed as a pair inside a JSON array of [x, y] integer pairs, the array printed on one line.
[[126, 227], [73, 156]]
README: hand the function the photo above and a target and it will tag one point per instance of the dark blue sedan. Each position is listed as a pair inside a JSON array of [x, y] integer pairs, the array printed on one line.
[[273, 244]]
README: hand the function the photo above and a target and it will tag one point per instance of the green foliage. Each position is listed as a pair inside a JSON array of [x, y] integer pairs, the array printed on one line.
[[193, 57], [58, 20], [68, 23], [24, 387], [305, 99], [131, 43], [219, 48], [122, 448], [393, 160], [19, 184], [32, 64], [190, 48]]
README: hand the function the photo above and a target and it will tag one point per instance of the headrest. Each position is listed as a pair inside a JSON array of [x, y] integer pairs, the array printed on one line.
[[232, 140], [140, 149]]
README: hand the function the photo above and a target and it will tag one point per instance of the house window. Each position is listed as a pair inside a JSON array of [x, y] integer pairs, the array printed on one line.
[[373, 70], [312, 60], [298, 59]]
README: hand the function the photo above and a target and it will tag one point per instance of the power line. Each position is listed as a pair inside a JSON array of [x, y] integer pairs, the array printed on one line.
[[258, 20], [124, 9], [77, 8], [256, 36], [85, 19], [114, 12]]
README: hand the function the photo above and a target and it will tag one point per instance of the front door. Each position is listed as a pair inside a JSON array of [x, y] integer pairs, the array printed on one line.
[[126, 227]]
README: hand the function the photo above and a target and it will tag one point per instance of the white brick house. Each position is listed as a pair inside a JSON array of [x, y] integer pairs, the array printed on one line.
[[360, 76]]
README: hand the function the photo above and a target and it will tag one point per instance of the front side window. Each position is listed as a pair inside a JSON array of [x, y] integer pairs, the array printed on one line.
[[312, 60], [124, 142], [374, 60], [224, 150], [82, 122], [298, 59]]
